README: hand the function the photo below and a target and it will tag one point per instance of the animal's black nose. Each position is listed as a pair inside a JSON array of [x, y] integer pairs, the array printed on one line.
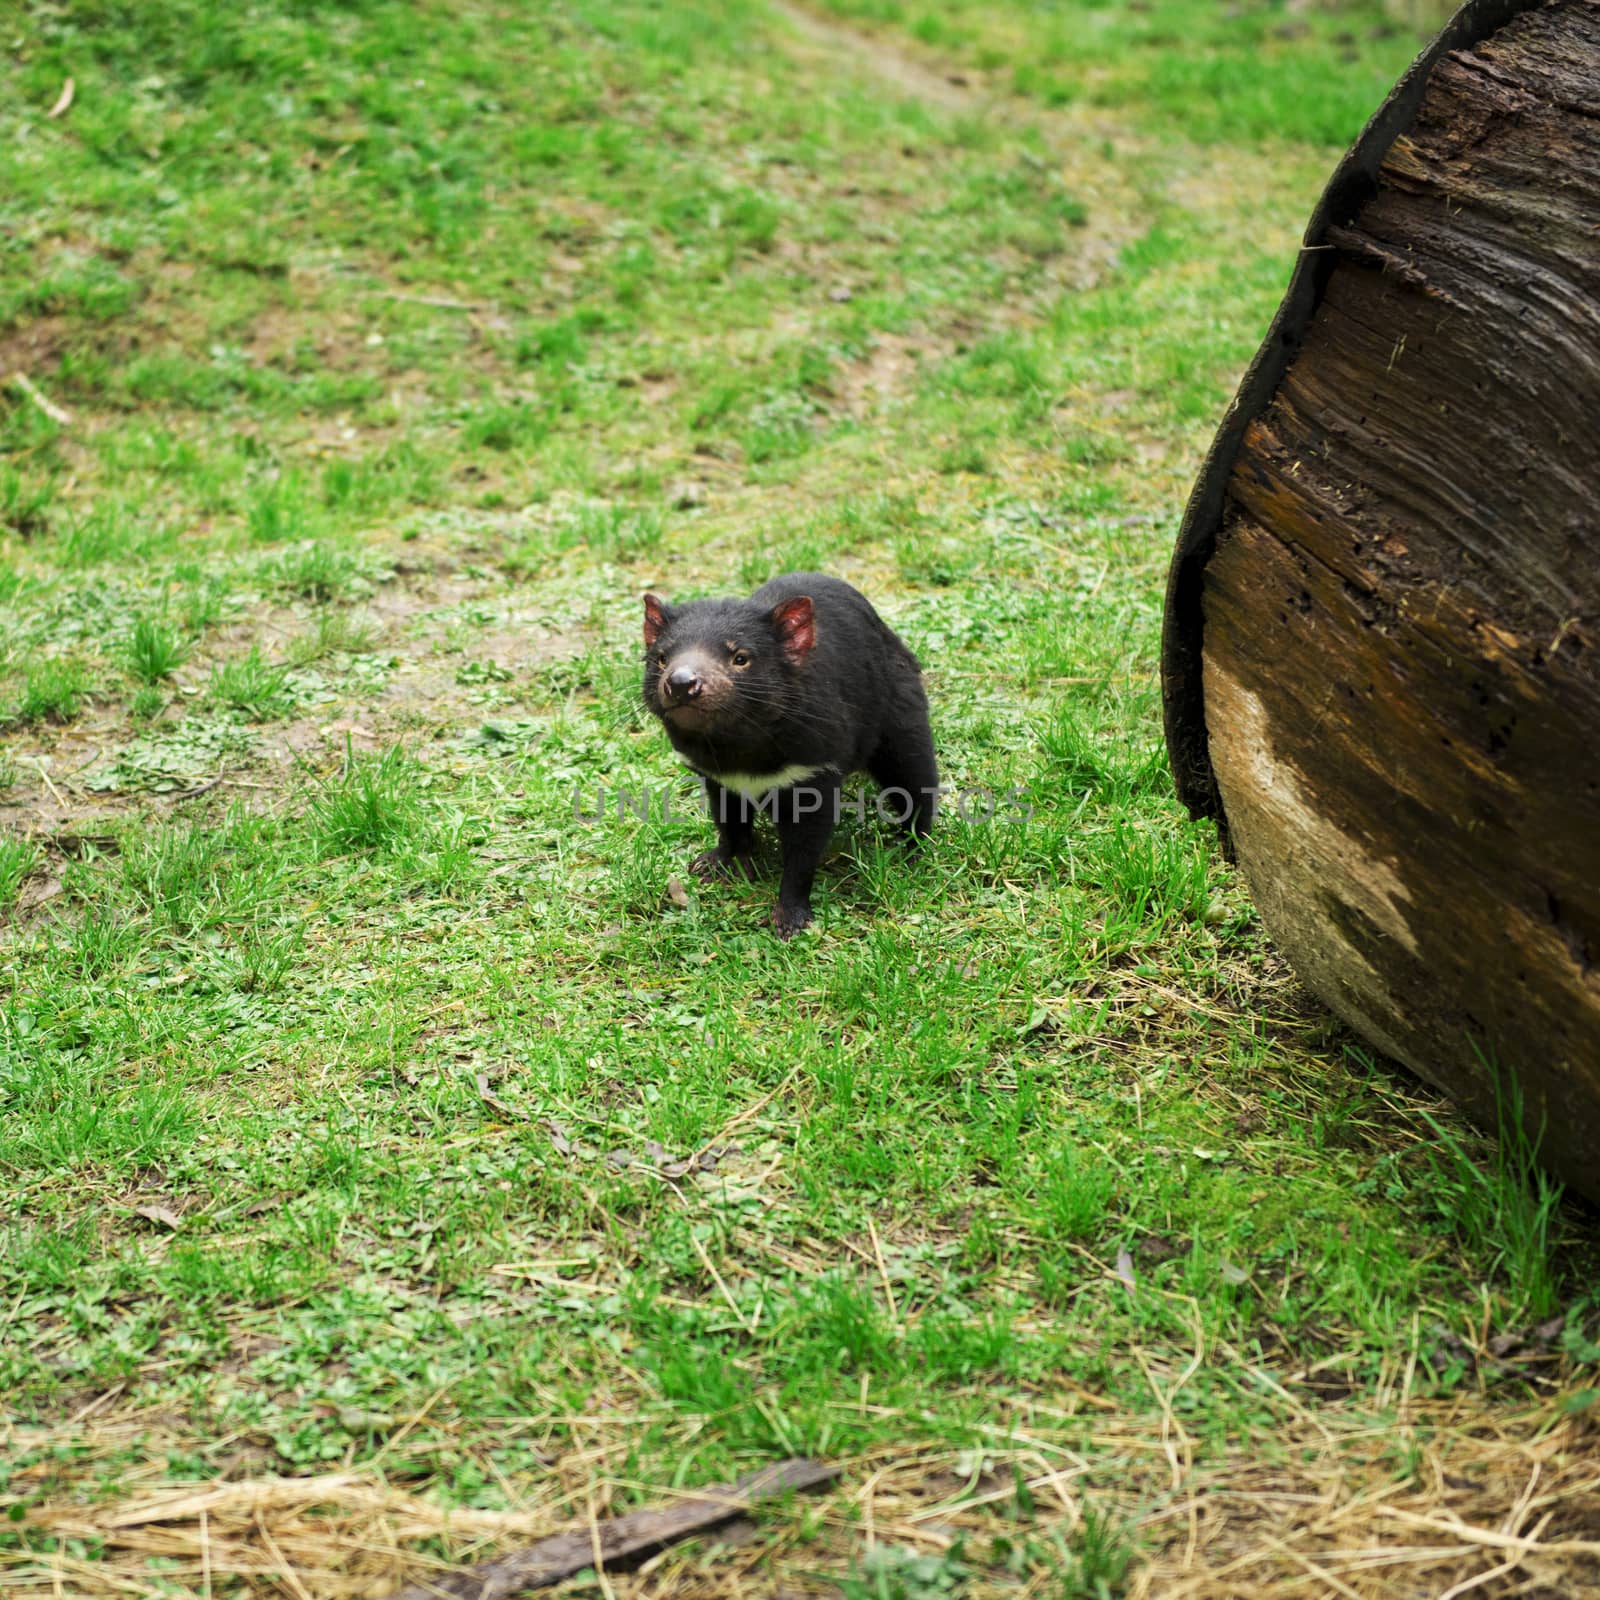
[[683, 683]]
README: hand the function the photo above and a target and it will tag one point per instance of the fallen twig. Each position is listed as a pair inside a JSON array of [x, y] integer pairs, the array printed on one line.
[[25, 385], [1490, 1538], [439, 301], [620, 1540], [38, 762], [199, 789], [494, 1102]]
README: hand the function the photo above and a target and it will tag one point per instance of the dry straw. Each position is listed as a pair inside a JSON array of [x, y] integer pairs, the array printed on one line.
[[1437, 1498]]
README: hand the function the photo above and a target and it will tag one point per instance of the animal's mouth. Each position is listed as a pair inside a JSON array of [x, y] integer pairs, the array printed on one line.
[[689, 714]]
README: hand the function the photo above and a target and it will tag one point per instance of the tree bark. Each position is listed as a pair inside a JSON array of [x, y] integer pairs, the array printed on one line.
[[1400, 613]]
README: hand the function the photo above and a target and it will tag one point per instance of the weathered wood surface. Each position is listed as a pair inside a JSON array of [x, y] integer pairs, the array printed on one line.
[[1400, 633]]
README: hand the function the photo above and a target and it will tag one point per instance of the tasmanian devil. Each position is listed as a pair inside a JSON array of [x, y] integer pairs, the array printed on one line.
[[774, 701]]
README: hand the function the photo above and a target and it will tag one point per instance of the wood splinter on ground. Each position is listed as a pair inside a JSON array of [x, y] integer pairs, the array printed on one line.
[[621, 1541]]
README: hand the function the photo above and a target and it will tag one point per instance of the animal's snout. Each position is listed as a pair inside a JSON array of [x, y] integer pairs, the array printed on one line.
[[684, 683]]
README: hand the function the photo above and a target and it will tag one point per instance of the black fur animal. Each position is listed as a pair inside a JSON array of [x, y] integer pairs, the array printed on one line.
[[783, 696]]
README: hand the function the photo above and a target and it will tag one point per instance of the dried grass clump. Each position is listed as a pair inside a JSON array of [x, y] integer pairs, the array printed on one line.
[[1493, 1504], [1442, 1499]]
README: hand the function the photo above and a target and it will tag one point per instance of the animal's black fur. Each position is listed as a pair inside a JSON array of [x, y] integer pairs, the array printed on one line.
[[804, 674]]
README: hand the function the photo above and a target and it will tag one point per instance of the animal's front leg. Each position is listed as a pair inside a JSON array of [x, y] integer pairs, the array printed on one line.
[[735, 820], [805, 818]]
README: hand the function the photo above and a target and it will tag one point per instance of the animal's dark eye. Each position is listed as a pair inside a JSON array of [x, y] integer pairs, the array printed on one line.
[[741, 658]]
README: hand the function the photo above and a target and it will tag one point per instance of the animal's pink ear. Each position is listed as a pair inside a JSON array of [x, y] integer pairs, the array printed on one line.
[[796, 622], [655, 618]]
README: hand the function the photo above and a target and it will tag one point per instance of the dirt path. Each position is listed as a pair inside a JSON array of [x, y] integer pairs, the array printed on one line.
[[893, 66], [1078, 137]]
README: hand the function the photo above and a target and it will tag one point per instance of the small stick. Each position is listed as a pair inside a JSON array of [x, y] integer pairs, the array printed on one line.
[[58, 414], [883, 1273], [733, 1305], [1320, 1573], [1494, 1541], [436, 300], [620, 1540], [190, 794], [599, 1554], [291, 1578], [729, 1128], [416, 1418], [38, 761]]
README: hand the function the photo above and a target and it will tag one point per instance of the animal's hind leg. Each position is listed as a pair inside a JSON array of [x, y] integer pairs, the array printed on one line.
[[903, 767]]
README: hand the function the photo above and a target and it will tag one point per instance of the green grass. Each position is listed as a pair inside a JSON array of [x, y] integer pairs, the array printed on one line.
[[370, 806], [155, 651], [52, 690], [315, 571], [251, 684], [1265, 69], [352, 1079], [17, 859], [1505, 1210]]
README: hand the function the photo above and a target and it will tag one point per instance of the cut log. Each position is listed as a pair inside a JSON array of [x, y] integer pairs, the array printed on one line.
[[1382, 653]]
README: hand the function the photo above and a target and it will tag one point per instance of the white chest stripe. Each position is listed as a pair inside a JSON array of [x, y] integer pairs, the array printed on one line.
[[752, 785]]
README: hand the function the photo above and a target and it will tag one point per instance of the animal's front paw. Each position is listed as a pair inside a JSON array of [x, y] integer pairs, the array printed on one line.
[[712, 864], [788, 920]]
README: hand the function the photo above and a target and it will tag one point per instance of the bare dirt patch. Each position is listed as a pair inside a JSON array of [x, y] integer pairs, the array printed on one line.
[[450, 651], [280, 333], [887, 62], [891, 367], [33, 346]]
